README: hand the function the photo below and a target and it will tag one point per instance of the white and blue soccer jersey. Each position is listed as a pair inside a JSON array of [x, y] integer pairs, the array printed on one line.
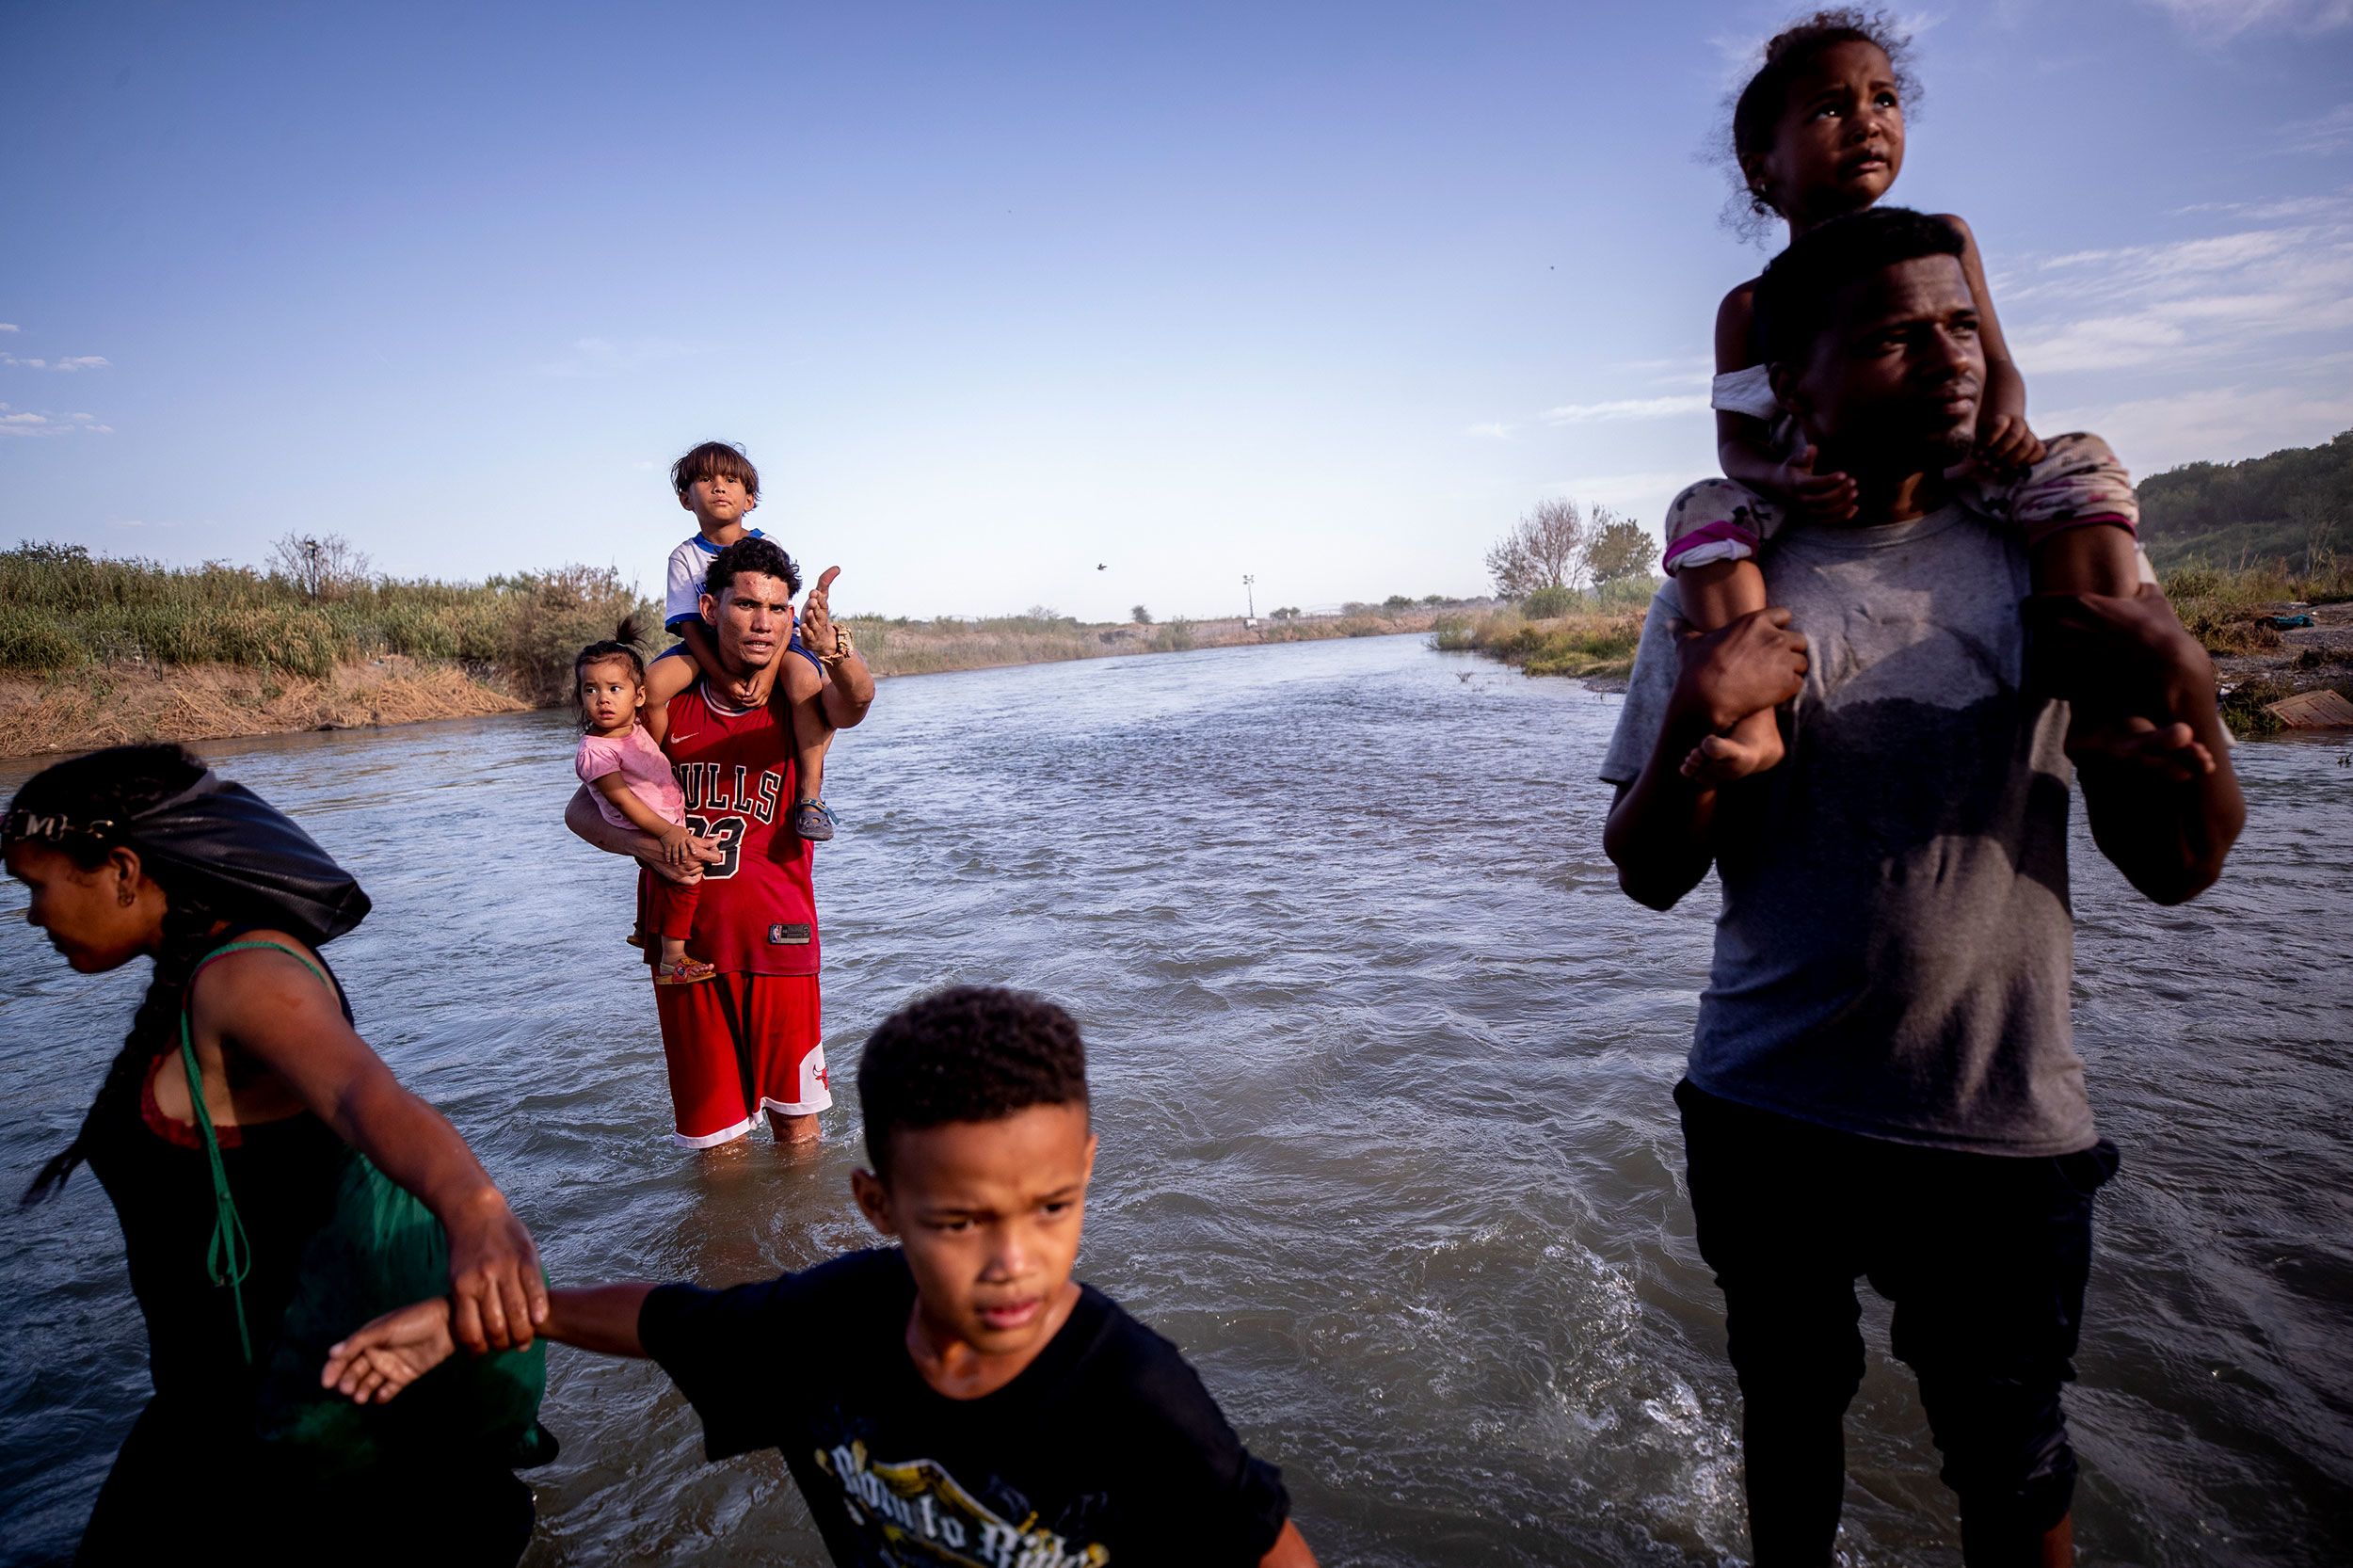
[[689, 564]]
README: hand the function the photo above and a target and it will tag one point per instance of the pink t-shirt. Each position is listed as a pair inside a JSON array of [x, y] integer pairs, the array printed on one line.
[[641, 767]]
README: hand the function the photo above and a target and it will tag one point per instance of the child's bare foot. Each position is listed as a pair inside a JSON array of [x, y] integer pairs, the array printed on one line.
[[1753, 747], [813, 821]]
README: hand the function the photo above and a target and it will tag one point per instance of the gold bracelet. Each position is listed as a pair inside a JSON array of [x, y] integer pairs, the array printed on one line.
[[843, 647]]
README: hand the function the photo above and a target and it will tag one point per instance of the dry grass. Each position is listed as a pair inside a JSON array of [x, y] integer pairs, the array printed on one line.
[[1586, 644], [112, 706], [2225, 609], [62, 609]]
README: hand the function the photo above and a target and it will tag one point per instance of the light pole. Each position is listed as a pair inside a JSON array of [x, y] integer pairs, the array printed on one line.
[[1249, 598]]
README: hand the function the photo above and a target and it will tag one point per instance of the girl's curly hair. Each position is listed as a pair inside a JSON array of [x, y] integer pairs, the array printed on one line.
[[1746, 127]]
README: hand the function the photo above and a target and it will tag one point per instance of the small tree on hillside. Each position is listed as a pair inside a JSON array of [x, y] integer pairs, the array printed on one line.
[[320, 566], [1140, 616], [1620, 547], [2317, 517], [1546, 549]]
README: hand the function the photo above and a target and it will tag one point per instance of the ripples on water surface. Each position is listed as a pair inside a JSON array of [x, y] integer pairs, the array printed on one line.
[[1382, 1062]]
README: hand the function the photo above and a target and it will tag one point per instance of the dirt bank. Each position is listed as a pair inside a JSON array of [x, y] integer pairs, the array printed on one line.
[[112, 704]]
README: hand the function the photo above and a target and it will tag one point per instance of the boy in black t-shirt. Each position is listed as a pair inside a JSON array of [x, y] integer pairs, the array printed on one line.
[[971, 1403]]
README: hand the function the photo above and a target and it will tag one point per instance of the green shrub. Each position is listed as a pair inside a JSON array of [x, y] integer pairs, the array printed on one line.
[[1627, 593], [1549, 604], [33, 642]]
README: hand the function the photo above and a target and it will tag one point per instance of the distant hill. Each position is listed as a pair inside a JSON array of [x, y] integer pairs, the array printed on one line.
[[2275, 508]]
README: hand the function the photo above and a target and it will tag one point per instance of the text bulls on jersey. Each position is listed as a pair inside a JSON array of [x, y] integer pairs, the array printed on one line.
[[714, 787]]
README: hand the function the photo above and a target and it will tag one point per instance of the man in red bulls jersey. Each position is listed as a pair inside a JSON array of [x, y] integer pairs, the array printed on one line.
[[747, 1042]]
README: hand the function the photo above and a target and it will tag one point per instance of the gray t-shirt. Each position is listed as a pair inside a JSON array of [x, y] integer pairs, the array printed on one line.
[[1894, 952]]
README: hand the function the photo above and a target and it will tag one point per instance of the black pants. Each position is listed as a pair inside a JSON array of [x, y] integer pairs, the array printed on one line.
[[182, 1486], [1984, 1257]]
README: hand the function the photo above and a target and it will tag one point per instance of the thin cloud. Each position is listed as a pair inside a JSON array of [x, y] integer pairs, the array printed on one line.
[[2219, 20], [2209, 424], [2339, 204], [26, 421], [1627, 408], [596, 357], [2215, 295], [1495, 431], [71, 362], [2323, 134], [1677, 369], [10, 326]]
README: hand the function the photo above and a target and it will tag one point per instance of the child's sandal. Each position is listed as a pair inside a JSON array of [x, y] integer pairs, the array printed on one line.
[[691, 971], [813, 820], [636, 938]]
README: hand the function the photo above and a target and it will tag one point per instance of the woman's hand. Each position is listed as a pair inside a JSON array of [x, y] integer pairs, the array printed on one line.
[[379, 1359], [497, 1295]]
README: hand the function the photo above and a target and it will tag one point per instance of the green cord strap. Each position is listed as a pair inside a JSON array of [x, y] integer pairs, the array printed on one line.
[[230, 1257]]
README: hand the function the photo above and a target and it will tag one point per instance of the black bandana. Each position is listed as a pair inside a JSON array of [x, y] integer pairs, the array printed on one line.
[[226, 840]]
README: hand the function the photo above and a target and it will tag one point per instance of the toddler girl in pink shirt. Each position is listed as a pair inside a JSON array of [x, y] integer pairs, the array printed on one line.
[[634, 788]]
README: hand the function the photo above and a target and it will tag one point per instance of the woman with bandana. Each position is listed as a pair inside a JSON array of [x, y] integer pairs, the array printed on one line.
[[271, 1178]]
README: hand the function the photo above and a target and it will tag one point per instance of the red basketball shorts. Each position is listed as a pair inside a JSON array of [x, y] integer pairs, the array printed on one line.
[[738, 1044]]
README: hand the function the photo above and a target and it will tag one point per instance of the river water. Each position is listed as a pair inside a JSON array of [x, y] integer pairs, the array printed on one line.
[[1382, 1062]]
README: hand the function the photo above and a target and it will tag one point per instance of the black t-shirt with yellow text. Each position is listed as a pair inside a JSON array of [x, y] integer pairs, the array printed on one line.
[[1105, 1452]]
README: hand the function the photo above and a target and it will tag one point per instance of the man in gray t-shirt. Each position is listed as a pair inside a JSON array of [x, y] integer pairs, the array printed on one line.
[[1882, 1080]]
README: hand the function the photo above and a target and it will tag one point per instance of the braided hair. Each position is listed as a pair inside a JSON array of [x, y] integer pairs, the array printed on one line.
[[113, 785]]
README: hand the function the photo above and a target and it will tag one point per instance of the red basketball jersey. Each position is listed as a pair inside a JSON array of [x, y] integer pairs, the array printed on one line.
[[758, 914]]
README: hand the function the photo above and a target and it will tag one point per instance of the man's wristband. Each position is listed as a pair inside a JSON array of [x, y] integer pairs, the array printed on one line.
[[843, 647]]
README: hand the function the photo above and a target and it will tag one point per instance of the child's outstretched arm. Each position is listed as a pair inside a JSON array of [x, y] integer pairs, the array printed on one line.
[[2004, 439], [381, 1358]]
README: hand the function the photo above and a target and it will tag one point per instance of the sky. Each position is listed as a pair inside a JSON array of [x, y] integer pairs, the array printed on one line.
[[1076, 306]]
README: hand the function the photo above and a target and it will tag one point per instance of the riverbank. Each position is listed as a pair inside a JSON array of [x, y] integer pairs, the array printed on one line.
[[2235, 614], [1595, 645], [903, 647], [114, 702]]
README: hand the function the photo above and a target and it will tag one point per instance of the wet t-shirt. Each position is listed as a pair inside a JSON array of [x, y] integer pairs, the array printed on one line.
[[1105, 1452], [1896, 949]]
